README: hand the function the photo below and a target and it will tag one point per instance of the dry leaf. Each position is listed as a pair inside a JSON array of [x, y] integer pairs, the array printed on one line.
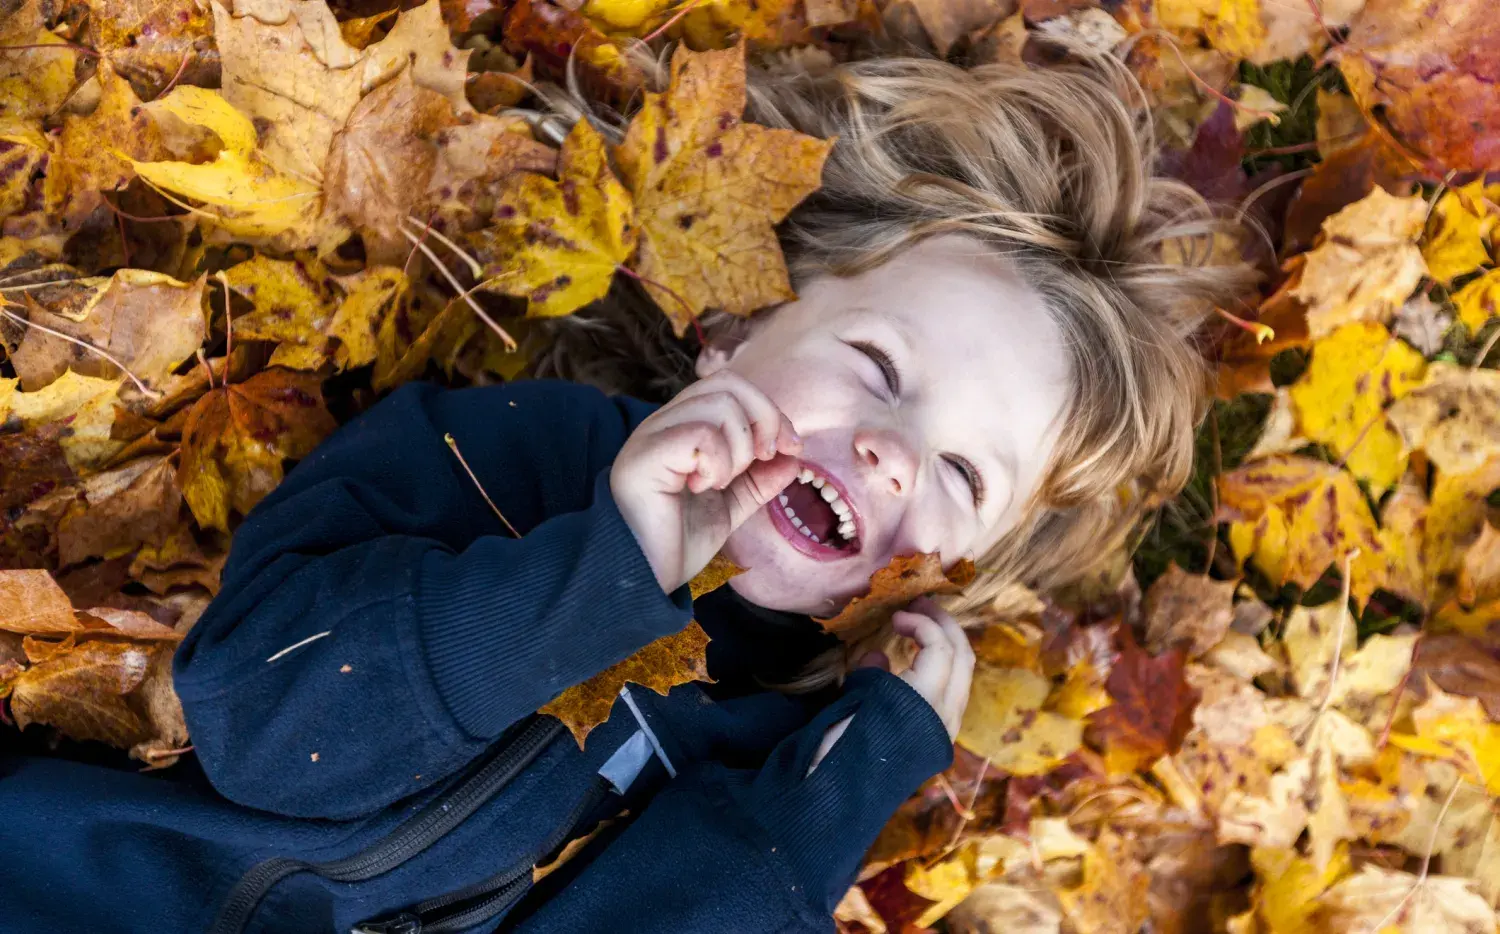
[[1453, 416], [892, 587], [1187, 608], [237, 436], [660, 666], [1367, 265], [558, 243], [1152, 709], [705, 197]]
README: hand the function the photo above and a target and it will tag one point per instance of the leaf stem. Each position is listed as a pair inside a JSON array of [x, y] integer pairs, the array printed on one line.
[[510, 342], [453, 446], [475, 269], [697, 327], [72, 46]]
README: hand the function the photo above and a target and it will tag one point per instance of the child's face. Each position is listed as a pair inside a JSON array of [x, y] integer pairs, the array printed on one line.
[[980, 380]]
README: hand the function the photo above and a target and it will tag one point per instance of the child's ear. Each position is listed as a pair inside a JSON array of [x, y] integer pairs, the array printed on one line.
[[713, 358]]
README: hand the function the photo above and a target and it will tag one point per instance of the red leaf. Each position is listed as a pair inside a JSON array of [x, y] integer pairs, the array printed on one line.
[[1153, 708]]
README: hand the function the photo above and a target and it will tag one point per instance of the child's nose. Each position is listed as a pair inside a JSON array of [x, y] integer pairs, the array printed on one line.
[[889, 456]]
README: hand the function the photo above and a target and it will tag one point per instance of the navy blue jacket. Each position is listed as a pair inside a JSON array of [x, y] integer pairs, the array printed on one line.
[[438, 635]]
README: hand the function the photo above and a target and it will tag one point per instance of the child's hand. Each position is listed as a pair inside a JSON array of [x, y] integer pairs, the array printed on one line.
[[699, 467], [945, 661]]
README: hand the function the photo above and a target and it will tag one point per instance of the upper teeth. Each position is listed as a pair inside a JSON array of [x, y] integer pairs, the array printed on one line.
[[830, 496]]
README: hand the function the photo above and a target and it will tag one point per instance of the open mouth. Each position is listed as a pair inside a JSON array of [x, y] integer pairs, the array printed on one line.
[[815, 516]]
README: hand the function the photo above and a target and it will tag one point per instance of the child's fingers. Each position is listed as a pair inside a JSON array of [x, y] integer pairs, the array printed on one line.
[[695, 455], [727, 411], [769, 425], [757, 486], [930, 670], [956, 694]]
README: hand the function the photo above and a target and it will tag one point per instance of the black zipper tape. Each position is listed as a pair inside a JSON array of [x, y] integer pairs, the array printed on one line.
[[461, 910], [438, 818]]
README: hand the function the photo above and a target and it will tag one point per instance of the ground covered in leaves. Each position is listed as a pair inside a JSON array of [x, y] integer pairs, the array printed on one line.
[[228, 228]]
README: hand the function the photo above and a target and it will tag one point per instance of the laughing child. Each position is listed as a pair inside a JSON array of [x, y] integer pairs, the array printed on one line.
[[988, 358]]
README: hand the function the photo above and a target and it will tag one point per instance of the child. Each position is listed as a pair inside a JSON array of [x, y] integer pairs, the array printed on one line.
[[987, 358]]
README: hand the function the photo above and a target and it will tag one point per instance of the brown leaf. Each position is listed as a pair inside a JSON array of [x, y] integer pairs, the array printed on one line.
[[121, 509], [1458, 664], [82, 692], [1188, 608], [130, 624], [948, 20], [892, 587], [660, 666], [1479, 578], [148, 321], [381, 161], [31, 602], [163, 712], [1152, 710], [34, 465], [1244, 360], [237, 436]]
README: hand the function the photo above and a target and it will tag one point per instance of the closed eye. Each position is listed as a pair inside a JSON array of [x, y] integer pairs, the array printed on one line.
[[882, 359], [971, 476]]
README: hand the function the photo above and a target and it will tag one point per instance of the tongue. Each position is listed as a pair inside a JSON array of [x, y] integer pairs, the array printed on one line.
[[809, 506]]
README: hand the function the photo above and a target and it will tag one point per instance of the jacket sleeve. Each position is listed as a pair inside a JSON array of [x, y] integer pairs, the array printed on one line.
[[378, 626], [723, 851]]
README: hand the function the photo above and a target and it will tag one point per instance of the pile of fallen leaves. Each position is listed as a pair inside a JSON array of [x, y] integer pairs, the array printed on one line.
[[225, 229]]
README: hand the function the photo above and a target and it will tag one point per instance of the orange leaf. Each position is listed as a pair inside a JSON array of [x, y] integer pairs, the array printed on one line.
[[82, 692], [1152, 710], [660, 666], [31, 602], [237, 436], [892, 587]]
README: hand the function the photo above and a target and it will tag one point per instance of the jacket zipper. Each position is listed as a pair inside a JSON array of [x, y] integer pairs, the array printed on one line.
[[436, 819], [475, 904]]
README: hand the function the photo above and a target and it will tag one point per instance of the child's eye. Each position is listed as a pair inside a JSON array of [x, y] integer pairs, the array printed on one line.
[[971, 476], [884, 361]]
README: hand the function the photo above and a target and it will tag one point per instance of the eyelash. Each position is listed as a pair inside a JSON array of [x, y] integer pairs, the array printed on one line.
[[888, 369]]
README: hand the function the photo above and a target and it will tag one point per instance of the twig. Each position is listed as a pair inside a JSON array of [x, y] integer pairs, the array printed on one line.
[[36, 285], [146, 391], [163, 753], [177, 76], [475, 268], [1390, 720], [228, 324], [1338, 638], [510, 342], [1262, 332], [137, 218], [686, 9], [1489, 345], [1426, 858], [453, 446], [210, 370], [1163, 36], [71, 46], [406, 266], [297, 645], [1213, 489]]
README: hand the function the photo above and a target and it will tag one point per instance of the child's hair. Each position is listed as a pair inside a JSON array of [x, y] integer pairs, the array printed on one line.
[[1052, 168]]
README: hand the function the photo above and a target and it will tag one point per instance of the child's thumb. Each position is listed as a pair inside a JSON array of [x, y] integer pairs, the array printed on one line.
[[761, 482]]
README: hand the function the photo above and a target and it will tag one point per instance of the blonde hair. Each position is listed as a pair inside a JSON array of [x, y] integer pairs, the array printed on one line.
[[1053, 169]]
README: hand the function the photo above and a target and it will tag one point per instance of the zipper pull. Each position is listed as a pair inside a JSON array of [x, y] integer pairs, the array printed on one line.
[[403, 923]]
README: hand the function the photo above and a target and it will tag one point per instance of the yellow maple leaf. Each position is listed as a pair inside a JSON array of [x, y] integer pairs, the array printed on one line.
[[88, 404], [35, 82], [1340, 400], [1456, 730], [1454, 520], [1005, 722], [1454, 416], [21, 154], [704, 199], [1296, 517], [558, 243], [1461, 223], [1286, 898], [369, 297], [1367, 263], [252, 199], [1478, 301], [93, 152], [1112, 896], [292, 302]]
